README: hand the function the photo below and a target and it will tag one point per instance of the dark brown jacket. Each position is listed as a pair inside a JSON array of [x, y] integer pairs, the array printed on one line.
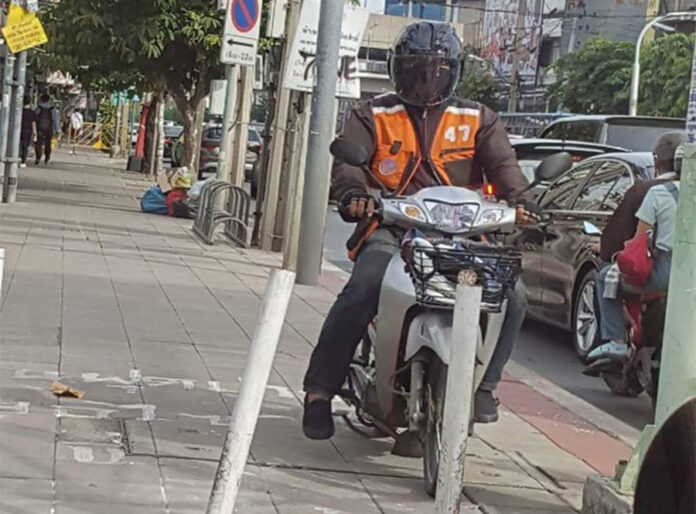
[[494, 159]]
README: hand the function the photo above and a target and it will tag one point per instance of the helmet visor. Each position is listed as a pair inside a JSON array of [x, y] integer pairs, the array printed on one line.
[[424, 80]]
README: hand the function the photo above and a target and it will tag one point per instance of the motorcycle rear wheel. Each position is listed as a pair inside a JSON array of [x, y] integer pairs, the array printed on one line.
[[431, 433]]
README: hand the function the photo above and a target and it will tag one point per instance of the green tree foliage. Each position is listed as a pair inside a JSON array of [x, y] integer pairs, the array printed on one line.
[[595, 79], [480, 84], [170, 45], [666, 76]]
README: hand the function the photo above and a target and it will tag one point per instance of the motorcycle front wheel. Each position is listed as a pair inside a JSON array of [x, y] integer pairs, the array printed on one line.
[[431, 433]]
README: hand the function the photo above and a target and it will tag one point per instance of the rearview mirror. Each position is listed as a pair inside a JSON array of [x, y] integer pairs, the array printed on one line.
[[349, 152], [590, 229], [553, 167]]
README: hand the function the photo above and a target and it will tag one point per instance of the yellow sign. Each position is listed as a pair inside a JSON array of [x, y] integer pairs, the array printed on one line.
[[23, 30]]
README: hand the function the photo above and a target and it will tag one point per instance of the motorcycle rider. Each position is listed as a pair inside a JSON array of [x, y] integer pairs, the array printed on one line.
[[622, 227], [419, 136]]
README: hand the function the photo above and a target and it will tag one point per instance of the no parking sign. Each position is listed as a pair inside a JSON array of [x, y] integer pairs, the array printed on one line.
[[241, 34]]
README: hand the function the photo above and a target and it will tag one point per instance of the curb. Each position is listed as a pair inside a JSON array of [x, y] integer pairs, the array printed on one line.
[[600, 495], [593, 415]]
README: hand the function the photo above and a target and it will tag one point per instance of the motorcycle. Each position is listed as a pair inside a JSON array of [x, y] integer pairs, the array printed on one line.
[[397, 380], [645, 316]]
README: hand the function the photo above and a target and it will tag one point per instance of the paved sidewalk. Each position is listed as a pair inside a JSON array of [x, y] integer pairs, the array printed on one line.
[[154, 327]]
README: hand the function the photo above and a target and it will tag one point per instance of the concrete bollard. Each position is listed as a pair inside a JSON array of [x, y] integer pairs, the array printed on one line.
[[248, 404], [460, 385]]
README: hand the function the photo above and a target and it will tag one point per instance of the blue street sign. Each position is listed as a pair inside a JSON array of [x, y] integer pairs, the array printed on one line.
[[245, 14]]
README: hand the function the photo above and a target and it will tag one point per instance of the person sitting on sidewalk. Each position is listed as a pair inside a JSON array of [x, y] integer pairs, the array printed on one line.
[[658, 213]]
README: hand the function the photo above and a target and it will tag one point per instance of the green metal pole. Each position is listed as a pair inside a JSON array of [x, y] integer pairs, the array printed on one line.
[[678, 364]]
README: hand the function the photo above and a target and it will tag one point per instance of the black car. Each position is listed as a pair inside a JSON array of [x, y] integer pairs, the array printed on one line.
[[637, 133], [559, 266], [531, 151]]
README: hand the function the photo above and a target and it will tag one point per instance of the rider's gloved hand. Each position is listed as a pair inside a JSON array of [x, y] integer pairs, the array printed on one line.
[[527, 212], [359, 205]]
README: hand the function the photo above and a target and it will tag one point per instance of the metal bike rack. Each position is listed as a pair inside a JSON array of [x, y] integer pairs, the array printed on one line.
[[235, 215]]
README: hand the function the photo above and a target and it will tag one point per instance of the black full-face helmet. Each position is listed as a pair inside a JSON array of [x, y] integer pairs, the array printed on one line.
[[425, 63]]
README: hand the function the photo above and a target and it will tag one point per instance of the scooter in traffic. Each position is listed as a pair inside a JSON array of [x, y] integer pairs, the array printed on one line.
[[645, 321], [397, 380]]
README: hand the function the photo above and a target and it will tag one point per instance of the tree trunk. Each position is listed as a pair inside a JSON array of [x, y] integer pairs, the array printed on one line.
[[159, 163], [192, 113], [151, 135]]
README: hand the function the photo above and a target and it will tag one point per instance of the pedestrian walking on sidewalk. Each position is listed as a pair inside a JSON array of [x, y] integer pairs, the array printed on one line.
[[28, 131], [47, 124], [76, 122]]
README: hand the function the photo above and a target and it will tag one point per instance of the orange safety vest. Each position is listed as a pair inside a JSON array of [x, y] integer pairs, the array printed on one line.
[[397, 148]]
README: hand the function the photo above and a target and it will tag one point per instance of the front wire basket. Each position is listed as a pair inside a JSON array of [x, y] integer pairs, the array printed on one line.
[[434, 270]]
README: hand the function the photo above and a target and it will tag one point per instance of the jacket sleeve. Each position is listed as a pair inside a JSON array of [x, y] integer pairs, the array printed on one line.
[[347, 179], [496, 158]]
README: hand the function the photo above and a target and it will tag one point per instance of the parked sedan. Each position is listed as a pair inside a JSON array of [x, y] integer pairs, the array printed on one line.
[[530, 152], [210, 151], [559, 268]]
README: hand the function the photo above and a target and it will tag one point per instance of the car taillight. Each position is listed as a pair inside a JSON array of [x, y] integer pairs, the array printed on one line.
[[207, 145], [167, 141], [488, 190]]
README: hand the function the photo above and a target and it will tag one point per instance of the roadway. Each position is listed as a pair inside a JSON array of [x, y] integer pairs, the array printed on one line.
[[546, 350]]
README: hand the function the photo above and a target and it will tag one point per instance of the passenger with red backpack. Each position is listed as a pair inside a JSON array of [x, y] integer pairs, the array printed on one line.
[[47, 124]]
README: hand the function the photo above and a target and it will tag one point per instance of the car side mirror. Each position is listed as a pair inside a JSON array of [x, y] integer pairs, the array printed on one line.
[[553, 167], [349, 152], [590, 229]]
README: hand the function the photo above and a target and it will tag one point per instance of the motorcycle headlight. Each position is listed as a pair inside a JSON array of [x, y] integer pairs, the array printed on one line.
[[452, 217], [490, 217], [412, 212]]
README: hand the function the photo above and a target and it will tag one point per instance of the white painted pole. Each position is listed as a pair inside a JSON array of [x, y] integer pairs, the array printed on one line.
[[248, 404], [460, 385]]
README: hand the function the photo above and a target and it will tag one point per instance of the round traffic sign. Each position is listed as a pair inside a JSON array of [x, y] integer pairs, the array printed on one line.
[[245, 14]]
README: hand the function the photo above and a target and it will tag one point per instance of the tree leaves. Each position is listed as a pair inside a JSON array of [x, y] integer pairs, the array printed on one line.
[[596, 79]]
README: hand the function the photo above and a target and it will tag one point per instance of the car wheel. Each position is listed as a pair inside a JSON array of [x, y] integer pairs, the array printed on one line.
[[585, 327]]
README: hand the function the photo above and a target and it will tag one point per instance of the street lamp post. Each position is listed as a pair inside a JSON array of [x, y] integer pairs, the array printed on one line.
[[635, 76]]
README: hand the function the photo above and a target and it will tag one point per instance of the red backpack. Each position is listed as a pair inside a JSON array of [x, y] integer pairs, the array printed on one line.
[[173, 197]]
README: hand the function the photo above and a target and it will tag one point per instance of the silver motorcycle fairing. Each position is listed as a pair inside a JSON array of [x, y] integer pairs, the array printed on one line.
[[431, 329], [397, 295]]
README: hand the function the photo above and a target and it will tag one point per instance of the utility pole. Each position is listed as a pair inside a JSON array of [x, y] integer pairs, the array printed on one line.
[[224, 157], [515, 72], [12, 161], [237, 157], [321, 123], [294, 191], [280, 121], [5, 87], [678, 361], [678, 357]]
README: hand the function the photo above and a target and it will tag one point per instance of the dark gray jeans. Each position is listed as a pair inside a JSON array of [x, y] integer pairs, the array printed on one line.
[[356, 306]]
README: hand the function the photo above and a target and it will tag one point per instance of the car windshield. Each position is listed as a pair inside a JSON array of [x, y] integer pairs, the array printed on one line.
[[637, 138], [254, 136], [173, 131]]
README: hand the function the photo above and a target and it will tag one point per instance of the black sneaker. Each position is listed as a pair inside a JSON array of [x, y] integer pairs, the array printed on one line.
[[485, 407], [317, 421]]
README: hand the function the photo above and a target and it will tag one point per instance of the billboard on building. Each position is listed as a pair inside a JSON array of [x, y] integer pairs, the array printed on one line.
[[499, 34]]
